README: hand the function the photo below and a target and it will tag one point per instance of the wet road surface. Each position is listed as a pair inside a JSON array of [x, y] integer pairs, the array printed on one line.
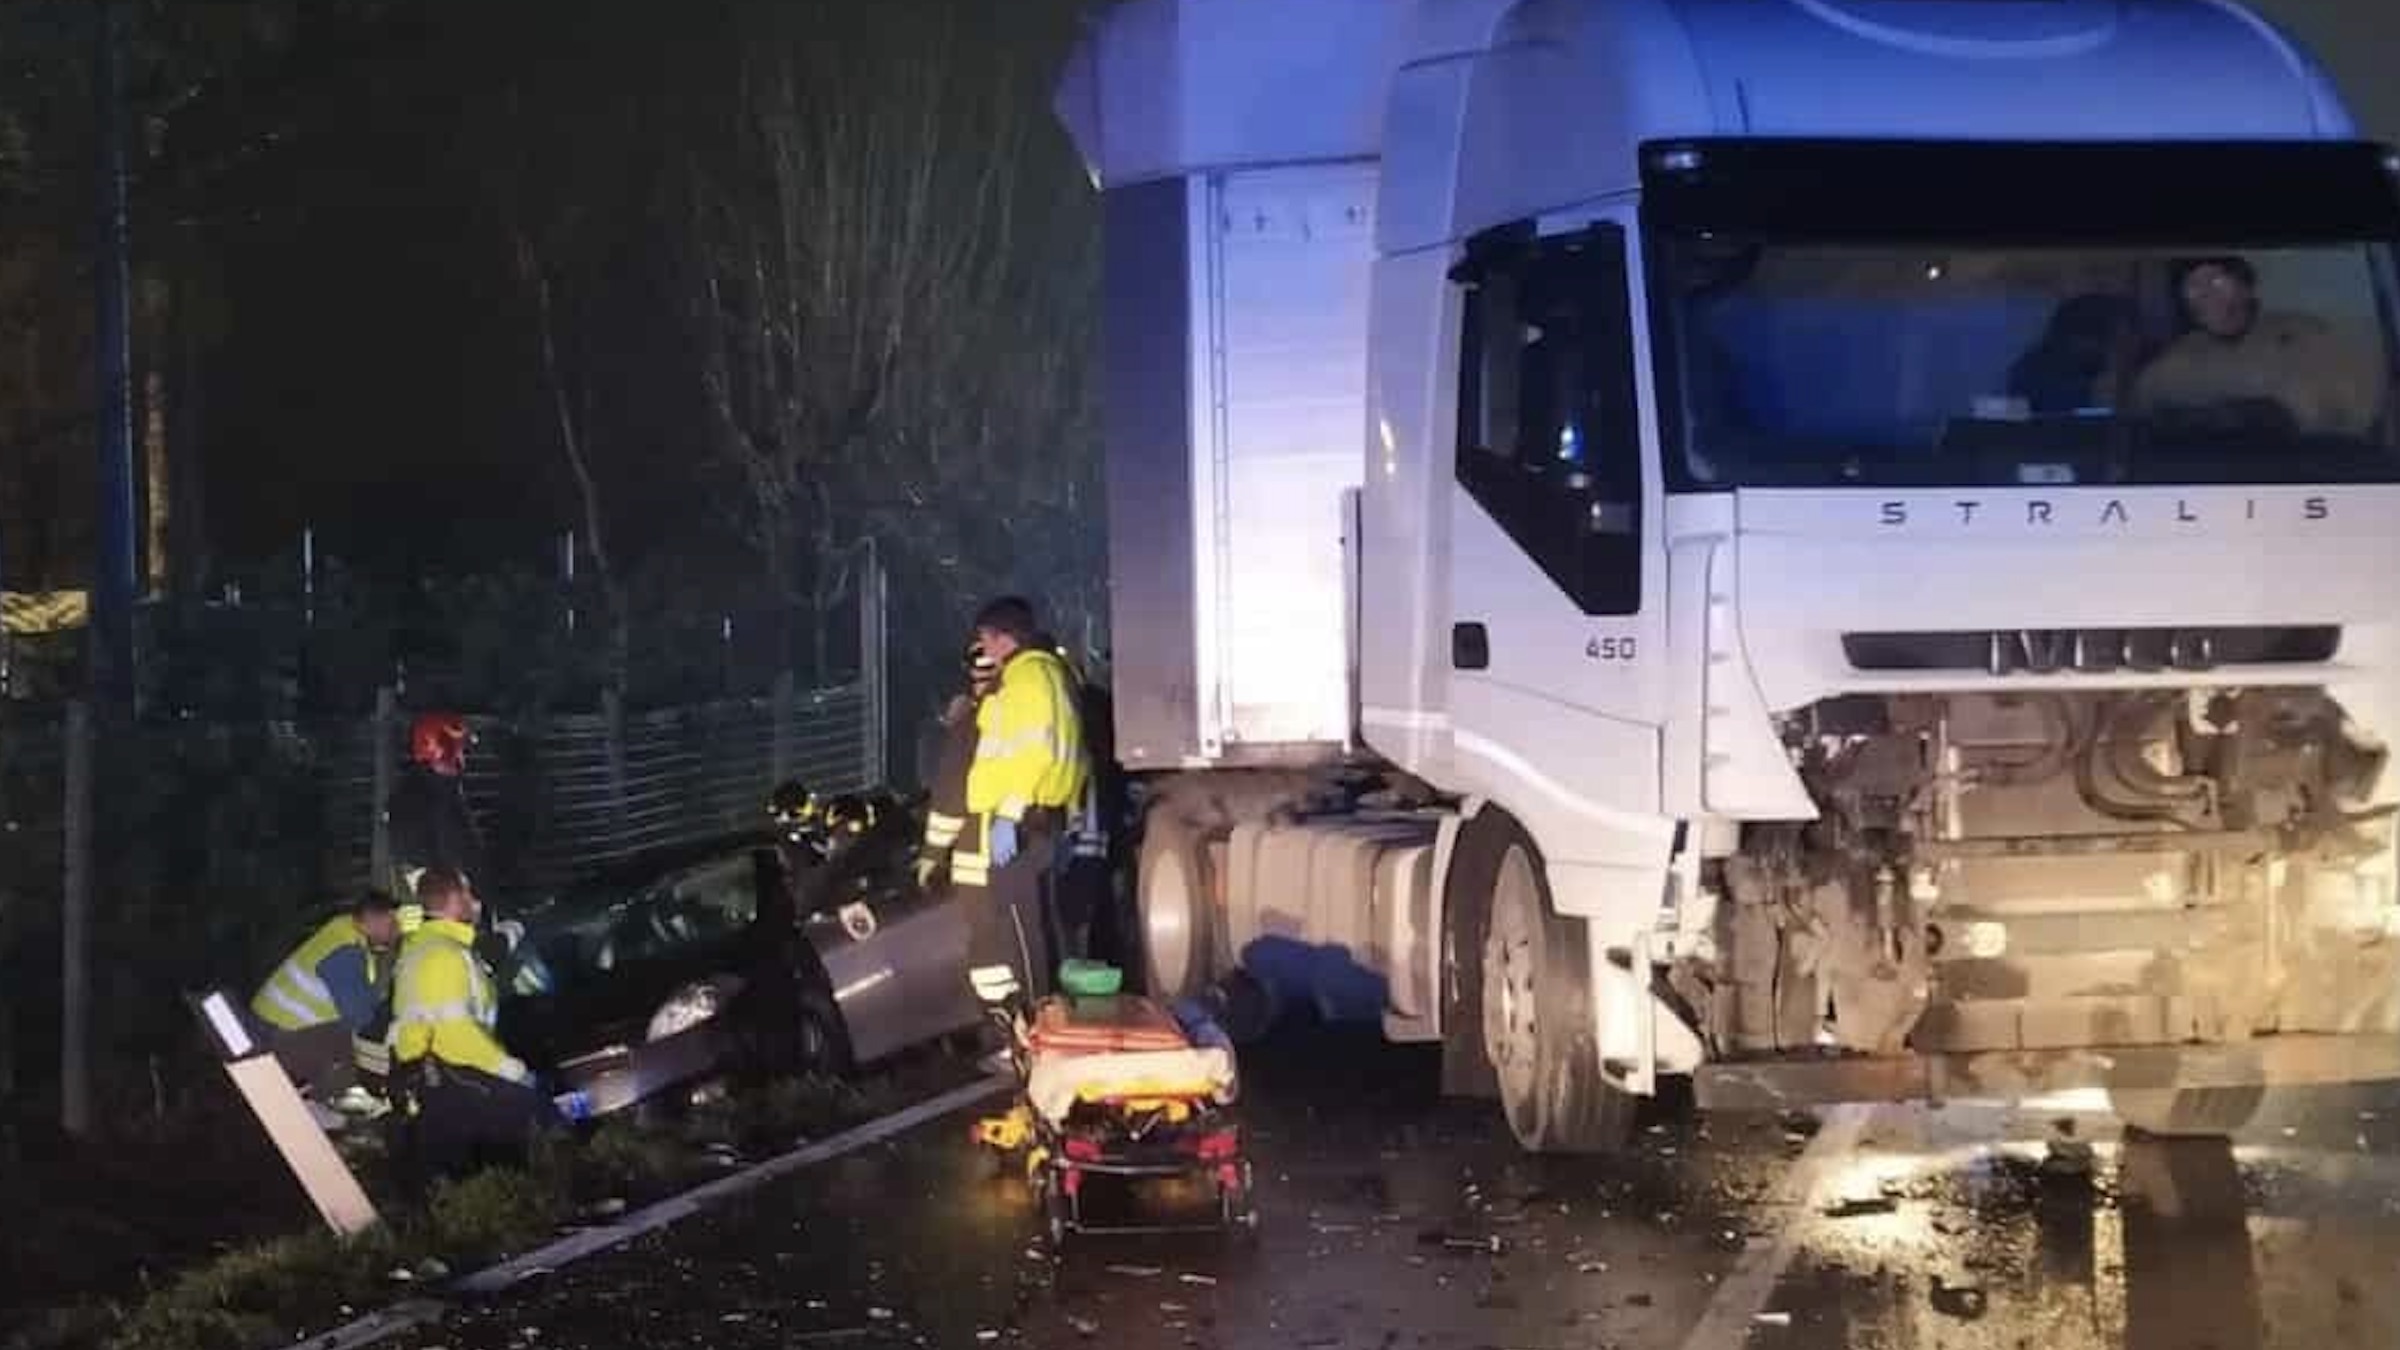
[[1392, 1220]]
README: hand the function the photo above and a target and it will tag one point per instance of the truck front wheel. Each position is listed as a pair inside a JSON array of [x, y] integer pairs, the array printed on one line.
[[1539, 1027]]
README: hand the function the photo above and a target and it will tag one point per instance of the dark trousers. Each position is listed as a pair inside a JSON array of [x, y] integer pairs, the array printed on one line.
[[462, 1120], [317, 1058], [1007, 921], [1085, 891]]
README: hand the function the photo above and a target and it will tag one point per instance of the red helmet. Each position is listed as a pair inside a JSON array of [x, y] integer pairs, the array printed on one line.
[[439, 741]]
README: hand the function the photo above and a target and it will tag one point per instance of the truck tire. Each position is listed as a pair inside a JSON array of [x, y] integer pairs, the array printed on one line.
[[1172, 889], [1538, 1028], [1466, 917], [2173, 1113]]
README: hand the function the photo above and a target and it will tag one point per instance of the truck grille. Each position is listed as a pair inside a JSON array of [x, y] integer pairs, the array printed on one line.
[[2089, 650]]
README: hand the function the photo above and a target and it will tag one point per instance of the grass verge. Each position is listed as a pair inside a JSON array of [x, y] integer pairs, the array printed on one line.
[[275, 1290]]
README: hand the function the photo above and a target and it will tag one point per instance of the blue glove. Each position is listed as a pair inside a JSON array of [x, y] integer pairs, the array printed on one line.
[[1004, 841]]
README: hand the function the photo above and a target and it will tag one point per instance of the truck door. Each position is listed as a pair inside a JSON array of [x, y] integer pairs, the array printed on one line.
[[1557, 577]]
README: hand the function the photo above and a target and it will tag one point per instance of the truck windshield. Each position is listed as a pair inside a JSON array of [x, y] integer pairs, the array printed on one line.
[[1855, 363]]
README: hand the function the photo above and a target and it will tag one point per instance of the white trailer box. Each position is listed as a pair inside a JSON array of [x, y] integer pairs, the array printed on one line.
[[1240, 162]]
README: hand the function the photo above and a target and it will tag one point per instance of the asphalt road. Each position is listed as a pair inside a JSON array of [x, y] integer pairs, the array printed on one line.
[[1394, 1220]]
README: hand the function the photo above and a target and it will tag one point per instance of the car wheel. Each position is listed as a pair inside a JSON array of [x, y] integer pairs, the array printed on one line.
[[821, 1044]]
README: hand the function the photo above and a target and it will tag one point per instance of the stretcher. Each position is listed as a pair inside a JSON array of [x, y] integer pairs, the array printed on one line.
[[1122, 1086]]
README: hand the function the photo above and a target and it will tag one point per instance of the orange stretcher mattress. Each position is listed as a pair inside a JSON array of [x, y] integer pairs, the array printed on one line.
[[1119, 1024]]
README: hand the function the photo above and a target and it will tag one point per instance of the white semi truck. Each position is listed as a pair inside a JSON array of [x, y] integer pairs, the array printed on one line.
[[1848, 549]]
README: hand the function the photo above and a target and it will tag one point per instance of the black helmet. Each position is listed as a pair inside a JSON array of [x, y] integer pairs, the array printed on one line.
[[851, 813], [792, 806]]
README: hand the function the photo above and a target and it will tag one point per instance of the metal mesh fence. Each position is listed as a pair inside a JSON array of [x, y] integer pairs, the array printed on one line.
[[216, 843]]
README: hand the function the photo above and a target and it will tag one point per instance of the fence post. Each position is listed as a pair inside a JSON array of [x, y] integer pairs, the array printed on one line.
[[74, 1078], [612, 717], [780, 710], [871, 674], [383, 755]]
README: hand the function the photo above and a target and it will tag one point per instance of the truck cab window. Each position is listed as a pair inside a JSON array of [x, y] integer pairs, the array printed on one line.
[[1549, 434]]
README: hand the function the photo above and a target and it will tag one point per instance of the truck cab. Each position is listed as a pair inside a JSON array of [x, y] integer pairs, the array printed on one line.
[[1837, 547]]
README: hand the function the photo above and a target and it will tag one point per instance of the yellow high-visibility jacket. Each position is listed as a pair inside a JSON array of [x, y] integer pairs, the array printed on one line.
[[1029, 750], [329, 977], [444, 1006]]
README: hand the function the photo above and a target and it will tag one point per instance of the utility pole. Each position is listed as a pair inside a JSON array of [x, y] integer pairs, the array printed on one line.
[[110, 663]]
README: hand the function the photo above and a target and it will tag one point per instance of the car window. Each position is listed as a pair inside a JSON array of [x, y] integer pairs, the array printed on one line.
[[723, 894], [704, 905]]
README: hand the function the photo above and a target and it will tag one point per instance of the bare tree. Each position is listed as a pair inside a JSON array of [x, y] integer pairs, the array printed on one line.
[[573, 412], [892, 264]]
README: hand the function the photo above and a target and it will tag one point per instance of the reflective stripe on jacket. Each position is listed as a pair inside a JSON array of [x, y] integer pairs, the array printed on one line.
[[304, 992], [444, 1007], [946, 802], [970, 863], [1029, 747]]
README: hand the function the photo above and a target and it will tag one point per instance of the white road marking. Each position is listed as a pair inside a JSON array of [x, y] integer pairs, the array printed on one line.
[[1800, 1194], [392, 1321]]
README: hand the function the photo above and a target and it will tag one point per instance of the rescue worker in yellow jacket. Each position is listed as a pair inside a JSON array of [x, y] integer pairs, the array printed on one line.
[[1029, 770], [469, 1102], [330, 985]]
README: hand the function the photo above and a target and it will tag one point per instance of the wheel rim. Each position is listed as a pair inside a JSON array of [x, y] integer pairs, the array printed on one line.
[[810, 1045], [1168, 906], [1511, 1035]]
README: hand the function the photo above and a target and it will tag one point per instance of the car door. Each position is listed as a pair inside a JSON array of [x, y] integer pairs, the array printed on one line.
[[898, 966]]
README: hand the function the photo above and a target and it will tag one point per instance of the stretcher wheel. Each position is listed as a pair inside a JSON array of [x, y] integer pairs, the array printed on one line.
[[1058, 1211], [1236, 1207]]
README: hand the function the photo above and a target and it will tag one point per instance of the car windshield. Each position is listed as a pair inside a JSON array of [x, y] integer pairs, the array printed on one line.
[[1856, 363], [592, 930]]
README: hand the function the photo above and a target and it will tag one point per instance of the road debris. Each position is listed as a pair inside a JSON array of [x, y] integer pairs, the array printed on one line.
[[1137, 1272], [1860, 1207], [1773, 1319], [1197, 1279], [1084, 1326], [1966, 1302]]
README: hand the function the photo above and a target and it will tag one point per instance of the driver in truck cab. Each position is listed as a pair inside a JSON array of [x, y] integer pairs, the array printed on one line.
[[2236, 352]]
